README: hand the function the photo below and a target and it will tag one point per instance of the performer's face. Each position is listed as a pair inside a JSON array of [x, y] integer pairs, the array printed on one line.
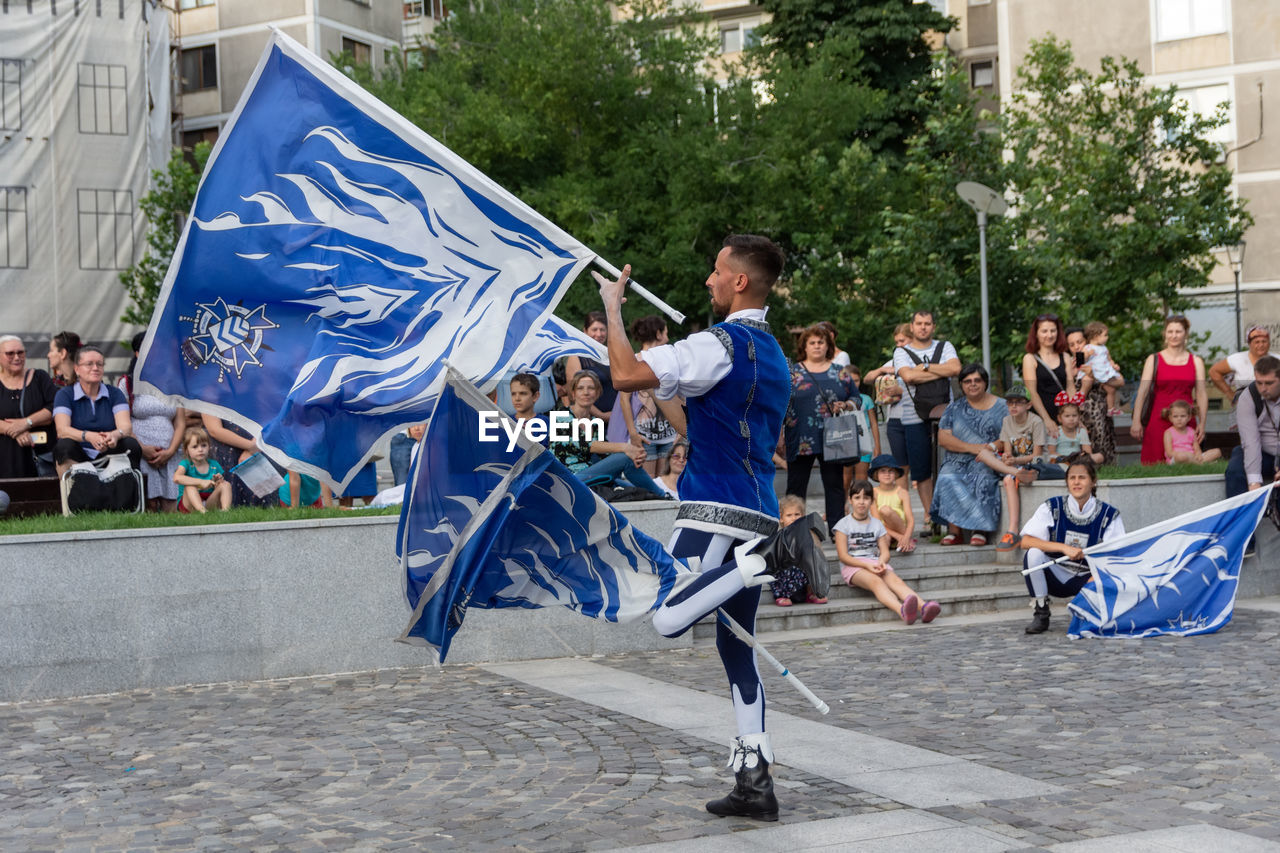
[[1079, 483], [723, 281]]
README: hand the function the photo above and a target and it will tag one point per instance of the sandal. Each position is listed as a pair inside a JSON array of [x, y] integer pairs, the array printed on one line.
[[782, 602], [814, 599], [950, 539], [930, 611], [907, 547], [977, 540], [1008, 542]]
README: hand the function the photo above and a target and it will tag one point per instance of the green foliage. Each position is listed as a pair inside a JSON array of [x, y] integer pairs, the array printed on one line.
[[46, 524], [1118, 199], [1121, 196], [880, 44], [165, 207]]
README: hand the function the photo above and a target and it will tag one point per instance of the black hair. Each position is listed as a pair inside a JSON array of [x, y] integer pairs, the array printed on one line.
[[862, 487]]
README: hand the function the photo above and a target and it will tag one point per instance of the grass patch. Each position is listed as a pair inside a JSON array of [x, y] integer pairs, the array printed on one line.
[[1181, 469], [45, 524]]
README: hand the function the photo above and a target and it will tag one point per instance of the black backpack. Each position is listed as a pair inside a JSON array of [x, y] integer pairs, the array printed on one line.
[[930, 395]]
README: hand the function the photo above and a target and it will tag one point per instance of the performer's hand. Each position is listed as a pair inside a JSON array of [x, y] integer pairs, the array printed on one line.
[[1073, 553], [611, 292]]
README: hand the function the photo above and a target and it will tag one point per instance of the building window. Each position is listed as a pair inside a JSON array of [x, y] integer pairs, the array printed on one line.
[[10, 94], [13, 227], [1204, 101], [199, 68], [1181, 19], [106, 229], [194, 4], [982, 75], [104, 103], [359, 51], [434, 9], [738, 36]]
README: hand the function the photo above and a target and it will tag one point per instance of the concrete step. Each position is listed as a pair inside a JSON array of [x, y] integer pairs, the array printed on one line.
[[929, 554], [933, 578], [862, 608]]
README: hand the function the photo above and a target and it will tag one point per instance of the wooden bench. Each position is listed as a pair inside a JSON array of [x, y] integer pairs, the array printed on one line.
[[32, 496]]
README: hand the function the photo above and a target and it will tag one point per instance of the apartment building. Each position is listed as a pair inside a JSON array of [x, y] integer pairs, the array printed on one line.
[[1213, 51], [219, 42], [84, 118]]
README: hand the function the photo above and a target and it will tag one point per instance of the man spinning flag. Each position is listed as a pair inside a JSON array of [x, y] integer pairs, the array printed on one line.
[[737, 384]]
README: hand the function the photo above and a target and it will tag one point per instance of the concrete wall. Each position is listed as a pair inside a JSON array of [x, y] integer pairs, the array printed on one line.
[[95, 612]]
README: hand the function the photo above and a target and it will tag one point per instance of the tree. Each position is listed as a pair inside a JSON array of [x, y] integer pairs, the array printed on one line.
[[1121, 196], [882, 44], [1118, 198], [165, 207]]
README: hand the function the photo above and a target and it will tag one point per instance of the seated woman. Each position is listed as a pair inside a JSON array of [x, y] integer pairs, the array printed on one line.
[[679, 458], [967, 496], [26, 410], [1066, 525], [92, 417], [598, 462]]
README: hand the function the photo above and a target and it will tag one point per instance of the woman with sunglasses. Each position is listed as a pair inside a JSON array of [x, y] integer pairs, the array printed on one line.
[[26, 410], [1046, 369], [1174, 373]]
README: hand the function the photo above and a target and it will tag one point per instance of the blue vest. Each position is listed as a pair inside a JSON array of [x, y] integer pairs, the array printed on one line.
[[1065, 519], [727, 486]]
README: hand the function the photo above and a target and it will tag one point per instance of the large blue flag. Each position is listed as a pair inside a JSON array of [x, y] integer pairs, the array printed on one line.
[[335, 257], [1175, 577], [487, 526]]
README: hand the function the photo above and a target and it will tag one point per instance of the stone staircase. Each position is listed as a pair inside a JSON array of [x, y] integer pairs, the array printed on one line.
[[961, 578]]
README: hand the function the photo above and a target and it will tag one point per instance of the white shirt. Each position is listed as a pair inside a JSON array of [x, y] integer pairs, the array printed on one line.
[[1242, 369], [1041, 521], [862, 538], [693, 366], [901, 360]]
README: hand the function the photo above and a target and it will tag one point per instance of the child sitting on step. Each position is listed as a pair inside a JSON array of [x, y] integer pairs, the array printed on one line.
[[806, 575], [862, 544]]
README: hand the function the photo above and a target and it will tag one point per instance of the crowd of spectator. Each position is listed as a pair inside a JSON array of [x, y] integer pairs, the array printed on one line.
[[993, 444]]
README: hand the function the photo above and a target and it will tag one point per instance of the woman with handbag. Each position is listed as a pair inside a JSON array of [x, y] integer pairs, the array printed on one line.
[[1048, 371], [1174, 373], [819, 391], [26, 410]]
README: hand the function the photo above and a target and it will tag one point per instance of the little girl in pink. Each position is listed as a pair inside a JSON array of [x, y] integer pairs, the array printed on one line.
[[1180, 442]]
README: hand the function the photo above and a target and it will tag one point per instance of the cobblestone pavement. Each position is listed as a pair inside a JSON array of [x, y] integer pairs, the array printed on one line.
[[1142, 735]]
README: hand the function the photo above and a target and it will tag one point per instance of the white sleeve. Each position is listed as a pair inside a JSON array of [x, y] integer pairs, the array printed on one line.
[[1038, 524], [689, 368], [948, 352], [1114, 530]]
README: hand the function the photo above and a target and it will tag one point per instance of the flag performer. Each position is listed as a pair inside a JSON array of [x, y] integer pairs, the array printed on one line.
[[737, 384]]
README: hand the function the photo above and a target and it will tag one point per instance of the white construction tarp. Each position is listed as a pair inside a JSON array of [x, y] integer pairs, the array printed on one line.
[[84, 118]]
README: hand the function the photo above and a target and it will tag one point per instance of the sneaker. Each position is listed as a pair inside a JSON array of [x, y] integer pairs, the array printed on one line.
[[930, 611], [1008, 542], [910, 609]]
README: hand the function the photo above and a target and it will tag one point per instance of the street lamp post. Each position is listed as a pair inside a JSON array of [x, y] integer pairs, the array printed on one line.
[[1235, 257], [983, 200]]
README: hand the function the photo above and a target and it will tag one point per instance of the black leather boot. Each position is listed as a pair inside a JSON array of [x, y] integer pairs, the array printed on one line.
[[752, 794], [1040, 618]]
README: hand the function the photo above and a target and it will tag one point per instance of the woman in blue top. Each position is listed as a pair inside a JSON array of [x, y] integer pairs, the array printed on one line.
[[92, 417], [819, 390]]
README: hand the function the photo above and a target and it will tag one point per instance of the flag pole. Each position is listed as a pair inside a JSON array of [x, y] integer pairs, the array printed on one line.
[[640, 290], [745, 636]]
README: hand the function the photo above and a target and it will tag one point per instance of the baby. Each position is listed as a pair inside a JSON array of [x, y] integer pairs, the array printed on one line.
[[1100, 367]]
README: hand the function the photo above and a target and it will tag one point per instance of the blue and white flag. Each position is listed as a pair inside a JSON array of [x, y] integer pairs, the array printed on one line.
[[485, 526], [1175, 577], [335, 257]]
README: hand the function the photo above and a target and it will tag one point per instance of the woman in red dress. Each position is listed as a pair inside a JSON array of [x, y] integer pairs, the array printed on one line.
[[1174, 373]]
